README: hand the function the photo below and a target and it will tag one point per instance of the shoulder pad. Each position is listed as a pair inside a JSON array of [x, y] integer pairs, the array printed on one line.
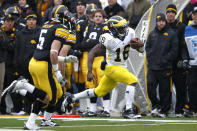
[[80, 21]]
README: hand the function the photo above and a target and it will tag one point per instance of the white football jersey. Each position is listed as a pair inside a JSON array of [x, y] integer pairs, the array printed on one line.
[[117, 51]]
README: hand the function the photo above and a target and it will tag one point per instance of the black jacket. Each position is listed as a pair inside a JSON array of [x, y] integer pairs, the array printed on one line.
[[25, 45], [113, 10], [7, 45], [179, 29], [161, 48]]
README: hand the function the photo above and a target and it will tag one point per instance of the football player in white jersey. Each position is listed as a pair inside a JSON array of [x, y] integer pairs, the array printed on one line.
[[117, 46]]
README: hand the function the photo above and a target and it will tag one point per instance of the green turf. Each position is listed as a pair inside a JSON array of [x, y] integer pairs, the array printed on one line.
[[105, 125]]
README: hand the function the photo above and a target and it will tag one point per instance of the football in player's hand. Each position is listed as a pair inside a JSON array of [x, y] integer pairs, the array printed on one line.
[[136, 43]]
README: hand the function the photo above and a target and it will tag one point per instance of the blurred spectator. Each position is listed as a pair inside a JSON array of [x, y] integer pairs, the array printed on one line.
[[191, 62], [42, 6], [26, 43], [81, 8], [114, 9], [91, 39], [125, 3], [96, 2], [179, 73], [161, 51], [3, 7], [7, 39], [72, 4], [24, 9], [187, 12], [135, 10], [47, 14], [32, 4]]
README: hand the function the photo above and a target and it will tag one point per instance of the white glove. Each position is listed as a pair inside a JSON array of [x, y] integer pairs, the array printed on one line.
[[70, 58], [58, 75]]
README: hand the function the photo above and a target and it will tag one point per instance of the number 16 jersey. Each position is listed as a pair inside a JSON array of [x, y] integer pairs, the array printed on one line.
[[117, 51]]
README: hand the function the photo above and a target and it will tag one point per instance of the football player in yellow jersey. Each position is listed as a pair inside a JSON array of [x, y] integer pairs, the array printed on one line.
[[117, 46], [55, 39]]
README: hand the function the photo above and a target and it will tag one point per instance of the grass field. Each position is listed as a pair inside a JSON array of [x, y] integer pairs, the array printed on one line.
[[107, 124]]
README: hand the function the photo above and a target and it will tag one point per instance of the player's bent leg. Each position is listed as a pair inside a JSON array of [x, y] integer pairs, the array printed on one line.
[[84, 94], [105, 86], [30, 124], [120, 74]]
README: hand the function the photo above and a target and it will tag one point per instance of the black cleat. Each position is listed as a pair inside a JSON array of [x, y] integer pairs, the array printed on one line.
[[48, 123], [90, 114], [130, 114], [104, 114], [67, 101]]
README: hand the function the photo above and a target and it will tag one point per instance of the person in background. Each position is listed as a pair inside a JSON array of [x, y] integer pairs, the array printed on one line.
[[161, 50], [26, 43], [179, 73], [191, 62], [24, 9], [7, 39], [91, 39], [47, 13], [187, 12], [27, 40], [114, 9], [135, 10], [80, 10], [3, 7], [79, 77], [42, 6]]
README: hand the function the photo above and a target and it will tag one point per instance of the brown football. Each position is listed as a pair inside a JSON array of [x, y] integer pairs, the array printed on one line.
[[136, 43]]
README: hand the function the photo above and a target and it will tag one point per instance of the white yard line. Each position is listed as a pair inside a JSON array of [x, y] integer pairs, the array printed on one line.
[[107, 119]]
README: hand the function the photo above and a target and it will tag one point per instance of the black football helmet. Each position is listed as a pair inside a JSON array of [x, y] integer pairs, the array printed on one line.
[[58, 14], [91, 8], [118, 26]]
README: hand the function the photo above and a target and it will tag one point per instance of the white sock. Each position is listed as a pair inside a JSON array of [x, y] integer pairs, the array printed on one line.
[[106, 105], [47, 115], [25, 85], [87, 103], [22, 92], [129, 96], [84, 94], [93, 107], [32, 119]]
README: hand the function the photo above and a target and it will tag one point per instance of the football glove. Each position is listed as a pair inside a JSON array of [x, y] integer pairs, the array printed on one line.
[[186, 64], [63, 82], [58, 75]]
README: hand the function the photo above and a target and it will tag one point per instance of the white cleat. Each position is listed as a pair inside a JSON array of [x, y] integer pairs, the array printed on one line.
[[31, 127]]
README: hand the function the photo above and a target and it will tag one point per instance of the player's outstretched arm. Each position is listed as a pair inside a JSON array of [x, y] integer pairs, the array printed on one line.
[[96, 50]]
